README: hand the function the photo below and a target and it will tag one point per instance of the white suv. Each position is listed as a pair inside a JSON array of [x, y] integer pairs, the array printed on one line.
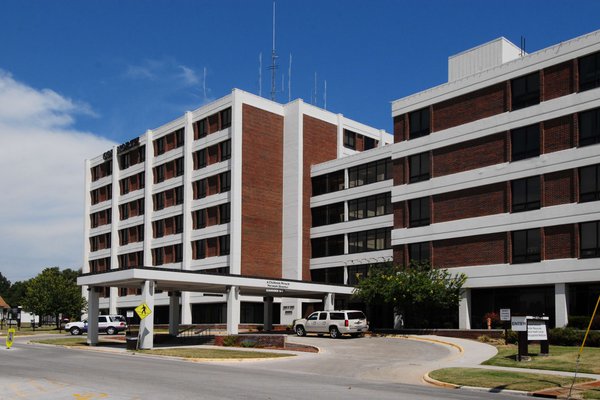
[[111, 324], [336, 323]]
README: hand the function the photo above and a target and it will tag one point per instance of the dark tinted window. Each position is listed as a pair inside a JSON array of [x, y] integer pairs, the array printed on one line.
[[589, 72], [418, 166], [419, 123], [589, 183], [356, 315], [419, 212], [336, 316], [590, 236], [322, 316], [526, 194], [525, 91], [349, 139], [526, 246], [589, 127], [419, 252], [525, 142]]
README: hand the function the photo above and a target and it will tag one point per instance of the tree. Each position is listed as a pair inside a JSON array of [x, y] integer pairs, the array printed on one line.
[[4, 287], [53, 292], [16, 293], [424, 296]]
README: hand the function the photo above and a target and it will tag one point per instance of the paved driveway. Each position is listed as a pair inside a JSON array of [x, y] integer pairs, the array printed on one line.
[[397, 360]]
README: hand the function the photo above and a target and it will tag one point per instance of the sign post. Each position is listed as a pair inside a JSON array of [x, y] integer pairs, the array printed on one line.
[[129, 316], [519, 325], [505, 318]]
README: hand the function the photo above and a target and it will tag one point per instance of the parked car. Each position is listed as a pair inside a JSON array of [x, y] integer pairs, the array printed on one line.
[[111, 324], [336, 323]]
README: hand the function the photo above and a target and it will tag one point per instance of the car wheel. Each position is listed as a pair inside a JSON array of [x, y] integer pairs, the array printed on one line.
[[75, 331], [300, 331], [334, 333], [111, 330]]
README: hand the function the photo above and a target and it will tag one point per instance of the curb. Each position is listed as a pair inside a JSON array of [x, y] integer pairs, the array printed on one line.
[[447, 385], [435, 382], [456, 346]]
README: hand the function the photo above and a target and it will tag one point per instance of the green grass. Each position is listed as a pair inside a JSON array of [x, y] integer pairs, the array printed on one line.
[[561, 358], [502, 379], [69, 341], [28, 331], [591, 394], [213, 353]]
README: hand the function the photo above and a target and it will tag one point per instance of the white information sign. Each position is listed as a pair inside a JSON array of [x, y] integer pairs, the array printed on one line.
[[518, 324], [129, 313], [536, 330], [505, 314]]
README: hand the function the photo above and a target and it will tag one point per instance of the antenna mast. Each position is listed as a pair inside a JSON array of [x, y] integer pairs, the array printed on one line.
[[273, 59], [290, 80]]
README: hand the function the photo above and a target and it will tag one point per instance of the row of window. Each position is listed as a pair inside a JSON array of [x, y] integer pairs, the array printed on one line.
[[356, 141], [168, 170], [527, 244], [216, 215], [365, 207], [101, 170], [375, 171], [212, 123], [133, 234], [335, 275], [167, 226], [211, 247], [133, 157], [100, 242], [132, 209], [167, 255], [220, 183], [169, 142], [168, 198], [525, 195], [213, 154], [524, 92], [101, 194], [358, 242], [132, 183], [102, 217]]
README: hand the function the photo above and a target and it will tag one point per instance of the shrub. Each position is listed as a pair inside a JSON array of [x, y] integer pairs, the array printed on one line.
[[229, 341], [484, 339], [248, 343], [582, 322], [512, 337], [573, 337]]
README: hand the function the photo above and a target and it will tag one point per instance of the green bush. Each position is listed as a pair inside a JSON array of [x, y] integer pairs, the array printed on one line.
[[512, 337], [229, 341], [582, 322], [248, 343], [573, 337]]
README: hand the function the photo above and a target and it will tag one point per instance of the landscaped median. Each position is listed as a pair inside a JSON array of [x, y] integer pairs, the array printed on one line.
[[561, 358], [183, 352]]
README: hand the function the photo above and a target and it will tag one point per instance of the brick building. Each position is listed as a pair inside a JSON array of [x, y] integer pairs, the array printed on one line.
[[223, 190], [497, 175]]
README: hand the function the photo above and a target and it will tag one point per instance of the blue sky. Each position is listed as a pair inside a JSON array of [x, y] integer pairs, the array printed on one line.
[[76, 76]]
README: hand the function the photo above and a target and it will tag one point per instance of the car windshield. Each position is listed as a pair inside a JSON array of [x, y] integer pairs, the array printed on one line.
[[356, 315]]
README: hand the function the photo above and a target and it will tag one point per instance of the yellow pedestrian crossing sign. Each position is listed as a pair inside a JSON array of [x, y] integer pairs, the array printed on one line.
[[143, 310], [10, 337]]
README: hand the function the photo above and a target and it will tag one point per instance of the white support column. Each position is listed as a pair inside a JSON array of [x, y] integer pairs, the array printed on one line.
[[561, 305], [93, 310], [464, 310], [114, 228], [146, 336], [174, 313], [233, 310], [188, 197], [112, 300], [268, 313], [328, 302], [148, 205]]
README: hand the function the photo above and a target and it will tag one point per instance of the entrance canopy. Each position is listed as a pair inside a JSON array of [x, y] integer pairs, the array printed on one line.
[[191, 281]]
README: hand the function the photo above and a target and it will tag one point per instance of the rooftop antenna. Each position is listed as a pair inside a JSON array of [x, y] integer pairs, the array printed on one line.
[[204, 84], [290, 80], [522, 53], [273, 59], [260, 74], [315, 103], [325, 95]]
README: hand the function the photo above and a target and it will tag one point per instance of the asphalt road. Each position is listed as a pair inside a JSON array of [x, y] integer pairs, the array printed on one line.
[[29, 371]]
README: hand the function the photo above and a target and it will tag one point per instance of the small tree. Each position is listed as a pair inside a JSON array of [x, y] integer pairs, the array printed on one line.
[[423, 295], [53, 292]]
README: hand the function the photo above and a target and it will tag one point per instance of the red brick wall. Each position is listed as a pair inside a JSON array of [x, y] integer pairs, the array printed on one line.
[[470, 107], [469, 155], [320, 145], [469, 203], [558, 134], [398, 174], [471, 250], [399, 128], [559, 188], [398, 252], [262, 192], [399, 215], [558, 80], [559, 242]]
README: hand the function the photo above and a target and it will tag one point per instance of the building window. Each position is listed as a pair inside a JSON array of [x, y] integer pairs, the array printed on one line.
[[226, 118], [371, 240], [349, 139], [370, 143], [179, 137], [328, 275], [225, 150], [419, 252], [159, 146], [589, 72], [179, 167], [589, 183], [525, 91], [179, 195], [419, 212], [179, 224], [200, 249], [589, 127], [224, 213], [159, 229], [419, 123], [224, 245], [200, 159], [526, 194], [328, 183], [329, 214], [419, 167], [525, 142], [327, 246], [372, 172], [526, 246], [159, 201], [178, 252], [200, 219], [371, 206], [124, 211], [590, 239], [202, 128], [225, 178], [157, 256], [200, 188], [357, 272], [159, 173]]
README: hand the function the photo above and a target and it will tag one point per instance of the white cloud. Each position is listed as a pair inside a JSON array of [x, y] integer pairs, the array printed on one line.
[[42, 179], [165, 70]]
